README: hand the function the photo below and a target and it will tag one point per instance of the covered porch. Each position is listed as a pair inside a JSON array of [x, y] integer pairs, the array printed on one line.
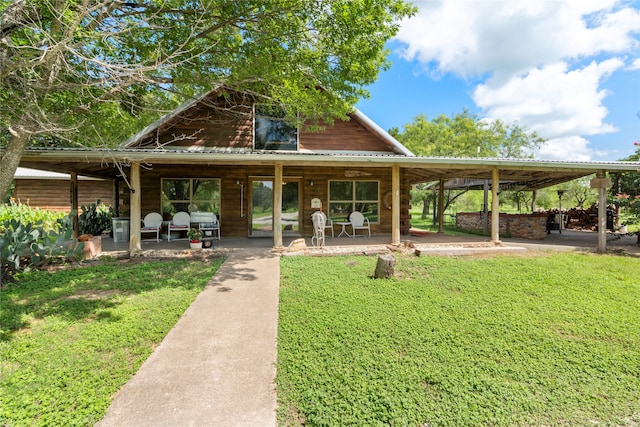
[[140, 171]]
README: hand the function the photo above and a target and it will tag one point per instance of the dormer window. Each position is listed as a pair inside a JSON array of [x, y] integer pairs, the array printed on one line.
[[271, 131]]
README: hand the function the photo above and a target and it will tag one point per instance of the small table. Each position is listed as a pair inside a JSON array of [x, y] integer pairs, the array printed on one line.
[[344, 229]]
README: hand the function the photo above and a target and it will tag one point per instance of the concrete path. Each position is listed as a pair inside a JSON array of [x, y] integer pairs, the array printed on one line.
[[216, 367]]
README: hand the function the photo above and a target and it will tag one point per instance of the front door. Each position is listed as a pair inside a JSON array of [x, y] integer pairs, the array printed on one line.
[[262, 208]]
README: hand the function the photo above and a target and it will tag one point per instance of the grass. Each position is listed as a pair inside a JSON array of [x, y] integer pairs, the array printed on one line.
[[427, 224], [70, 339], [552, 339]]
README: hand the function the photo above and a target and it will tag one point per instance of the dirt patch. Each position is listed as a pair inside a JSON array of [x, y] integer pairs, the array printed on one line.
[[94, 294]]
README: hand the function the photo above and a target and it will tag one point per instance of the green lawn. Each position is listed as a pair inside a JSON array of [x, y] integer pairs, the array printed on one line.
[[70, 339], [552, 339]]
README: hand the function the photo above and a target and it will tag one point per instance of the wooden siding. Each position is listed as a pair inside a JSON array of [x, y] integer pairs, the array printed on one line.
[[55, 195], [236, 224], [218, 123], [342, 136]]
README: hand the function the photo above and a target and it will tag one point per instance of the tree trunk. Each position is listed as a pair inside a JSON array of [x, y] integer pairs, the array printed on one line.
[[385, 266], [425, 207], [18, 140]]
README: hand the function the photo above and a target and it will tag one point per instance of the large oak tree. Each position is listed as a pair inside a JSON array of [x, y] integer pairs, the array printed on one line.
[[90, 72]]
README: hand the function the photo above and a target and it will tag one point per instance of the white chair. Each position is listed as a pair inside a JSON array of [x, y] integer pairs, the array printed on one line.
[[181, 222], [318, 220], [152, 223], [359, 222], [328, 222]]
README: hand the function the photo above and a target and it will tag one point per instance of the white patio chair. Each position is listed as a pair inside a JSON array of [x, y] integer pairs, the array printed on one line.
[[318, 220], [359, 222], [181, 221], [152, 223], [328, 222]]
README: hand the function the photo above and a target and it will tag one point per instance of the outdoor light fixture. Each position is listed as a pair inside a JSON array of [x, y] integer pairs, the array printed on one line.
[[311, 183]]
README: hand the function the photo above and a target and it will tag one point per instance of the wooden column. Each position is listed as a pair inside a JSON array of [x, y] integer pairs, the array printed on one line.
[[116, 197], [74, 204], [135, 213], [495, 206], [277, 206], [485, 206], [441, 206], [395, 205], [602, 213]]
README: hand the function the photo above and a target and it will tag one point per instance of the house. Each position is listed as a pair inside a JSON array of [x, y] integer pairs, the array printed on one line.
[[51, 190], [228, 154], [244, 144]]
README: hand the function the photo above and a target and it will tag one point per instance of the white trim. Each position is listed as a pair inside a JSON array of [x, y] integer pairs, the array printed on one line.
[[398, 147], [28, 173]]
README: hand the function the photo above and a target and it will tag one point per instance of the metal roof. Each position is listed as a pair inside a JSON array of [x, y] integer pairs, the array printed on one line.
[[529, 173]]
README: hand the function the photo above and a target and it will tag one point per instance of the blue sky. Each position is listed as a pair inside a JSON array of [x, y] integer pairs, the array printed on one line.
[[568, 69]]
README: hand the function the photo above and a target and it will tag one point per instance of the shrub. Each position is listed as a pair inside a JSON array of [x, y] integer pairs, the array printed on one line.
[[27, 245], [23, 213], [95, 218]]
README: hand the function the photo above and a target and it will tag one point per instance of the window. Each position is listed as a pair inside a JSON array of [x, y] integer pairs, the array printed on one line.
[[190, 195], [271, 131], [348, 196]]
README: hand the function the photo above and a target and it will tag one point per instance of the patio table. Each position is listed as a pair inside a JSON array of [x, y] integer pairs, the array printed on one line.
[[344, 228]]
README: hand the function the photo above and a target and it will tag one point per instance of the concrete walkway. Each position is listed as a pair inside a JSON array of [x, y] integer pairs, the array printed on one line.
[[216, 367]]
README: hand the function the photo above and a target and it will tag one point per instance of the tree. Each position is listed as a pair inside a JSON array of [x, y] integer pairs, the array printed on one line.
[[625, 191], [463, 135], [580, 191], [74, 71], [466, 135]]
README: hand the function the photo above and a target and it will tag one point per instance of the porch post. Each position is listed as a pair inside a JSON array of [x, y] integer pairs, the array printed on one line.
[[441, 206], [74, 204], [136, 209], [277, 206], [495, 206], [602, 212], [395, 205]]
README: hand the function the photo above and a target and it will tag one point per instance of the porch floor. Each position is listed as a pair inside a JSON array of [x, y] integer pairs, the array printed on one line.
[[568, 240]]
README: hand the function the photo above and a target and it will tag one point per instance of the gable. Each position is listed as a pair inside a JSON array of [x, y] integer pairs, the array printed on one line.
[[216, 122]]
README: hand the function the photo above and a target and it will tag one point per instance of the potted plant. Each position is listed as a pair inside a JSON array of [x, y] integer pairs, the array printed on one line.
[[194, 236]]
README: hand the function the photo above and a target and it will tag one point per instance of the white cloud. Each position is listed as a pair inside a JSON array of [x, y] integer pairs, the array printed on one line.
[[552, 100], [635, 65], [541, 63], [573, 148], [505, 37]]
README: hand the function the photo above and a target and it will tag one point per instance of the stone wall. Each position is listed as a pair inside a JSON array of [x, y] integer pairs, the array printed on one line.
[[526, 226]]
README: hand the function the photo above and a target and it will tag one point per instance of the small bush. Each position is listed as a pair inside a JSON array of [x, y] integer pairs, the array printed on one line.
[[28, 245], [95, 218], [27, 215]]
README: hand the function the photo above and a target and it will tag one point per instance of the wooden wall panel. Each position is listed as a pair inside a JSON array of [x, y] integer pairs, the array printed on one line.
[[55, 195], [343, 136], [234, 210], [220, 123]]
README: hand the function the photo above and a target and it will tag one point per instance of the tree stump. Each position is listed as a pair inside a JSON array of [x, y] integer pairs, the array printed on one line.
[[385, 266]]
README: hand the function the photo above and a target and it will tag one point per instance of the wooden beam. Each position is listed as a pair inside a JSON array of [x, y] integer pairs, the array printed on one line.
[[441, 206], [277, 206], [136, 209], [73, 184], [395, 205], [602, 215], [495, 206]]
